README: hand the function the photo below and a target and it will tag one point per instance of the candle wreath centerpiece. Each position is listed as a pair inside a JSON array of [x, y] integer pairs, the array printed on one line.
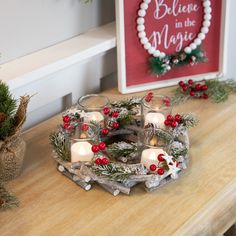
[[122, 143]]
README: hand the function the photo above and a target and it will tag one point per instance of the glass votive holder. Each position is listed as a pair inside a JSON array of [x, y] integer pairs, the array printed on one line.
[[156, 143], [92, 105], [155, 109], [81, 141]]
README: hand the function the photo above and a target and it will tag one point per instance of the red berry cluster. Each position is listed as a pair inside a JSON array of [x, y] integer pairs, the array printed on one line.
[[113, 114], [165, 100], [173, 121], [99, 147], [196, 90], [149, 97], [66, 120], [102, 161], [160, 170]]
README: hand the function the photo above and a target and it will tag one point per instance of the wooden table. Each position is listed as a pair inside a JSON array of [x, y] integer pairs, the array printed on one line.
[[202, 202]]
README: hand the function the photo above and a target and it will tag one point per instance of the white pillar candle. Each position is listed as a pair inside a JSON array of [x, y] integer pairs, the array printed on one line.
[[149, 156], [157, 119], [94, 116], [81, 151]]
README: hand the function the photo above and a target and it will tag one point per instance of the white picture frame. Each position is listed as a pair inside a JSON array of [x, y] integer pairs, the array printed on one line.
[[121, 54]]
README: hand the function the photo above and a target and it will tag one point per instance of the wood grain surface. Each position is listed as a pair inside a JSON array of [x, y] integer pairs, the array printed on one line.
[[202, 202]]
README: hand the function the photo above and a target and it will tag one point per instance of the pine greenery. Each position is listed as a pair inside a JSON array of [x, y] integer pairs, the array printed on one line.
[[7, 200], [8, 107]]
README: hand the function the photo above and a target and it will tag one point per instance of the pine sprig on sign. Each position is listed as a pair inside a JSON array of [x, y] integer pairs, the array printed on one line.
[[219, 91], [7, 200], [189, 120], [122, 149], [112, 172], [160, 66], [60, 145]]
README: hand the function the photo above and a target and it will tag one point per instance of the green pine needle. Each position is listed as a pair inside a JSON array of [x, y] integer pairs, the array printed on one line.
[[7, 200], [8, 106], [219, 91], [122, 149], [60, 145], [158, 65], [189, 120], [112, 172]]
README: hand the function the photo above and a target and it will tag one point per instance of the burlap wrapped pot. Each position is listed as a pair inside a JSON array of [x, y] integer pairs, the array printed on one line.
[[12, 149], [12, 153]]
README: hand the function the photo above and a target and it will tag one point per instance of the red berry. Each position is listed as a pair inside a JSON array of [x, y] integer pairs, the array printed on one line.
[[66, 126], [106, 110], [190, 81], [184, 88], [148, 98], [181, 83], [178, 118], [197, 87], [105, 131], [153, 167], [177, 163], [173, 124], [160, 171], [168, 104], [66, 119], [84, 127], [150, 94], [116, 125], [105, 161], [166, 100], [160, 157], [191, 93], [169, 117], [205, 96], [204, 87], [98, 161], [167, 122], [95, 148], [115, 114], [102, 146]]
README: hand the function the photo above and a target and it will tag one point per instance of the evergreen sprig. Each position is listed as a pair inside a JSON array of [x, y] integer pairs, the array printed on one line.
[[160, 66], [112, 172], [219, 91], [122, 149], [60, 145], [129, 104], [189, 120], [8, 107], [7, 200]]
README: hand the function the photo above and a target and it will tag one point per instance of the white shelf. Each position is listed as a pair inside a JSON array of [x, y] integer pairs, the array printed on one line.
[[36, 66]]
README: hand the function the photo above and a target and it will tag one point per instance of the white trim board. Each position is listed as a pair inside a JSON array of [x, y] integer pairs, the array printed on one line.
[[33, 67]]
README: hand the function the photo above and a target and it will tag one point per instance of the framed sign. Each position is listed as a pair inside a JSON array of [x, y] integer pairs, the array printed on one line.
[[163, 41]]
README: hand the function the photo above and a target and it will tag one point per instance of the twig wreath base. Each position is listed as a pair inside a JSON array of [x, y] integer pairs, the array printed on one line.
[[122, 169]]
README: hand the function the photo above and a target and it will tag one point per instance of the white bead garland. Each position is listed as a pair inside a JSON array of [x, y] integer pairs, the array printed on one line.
[[196, 42]]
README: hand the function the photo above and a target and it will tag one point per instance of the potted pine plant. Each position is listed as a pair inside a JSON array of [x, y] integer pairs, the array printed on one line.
[[12, 146]]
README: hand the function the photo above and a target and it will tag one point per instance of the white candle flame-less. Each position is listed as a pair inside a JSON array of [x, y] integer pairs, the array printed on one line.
[[81, 151], [149, 156], [94, 116], [155, 118]]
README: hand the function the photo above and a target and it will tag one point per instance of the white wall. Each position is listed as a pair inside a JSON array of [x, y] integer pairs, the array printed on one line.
[[30, 25]]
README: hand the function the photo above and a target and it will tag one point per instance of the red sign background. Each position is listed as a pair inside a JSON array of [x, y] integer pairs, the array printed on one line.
[[137, 69]]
